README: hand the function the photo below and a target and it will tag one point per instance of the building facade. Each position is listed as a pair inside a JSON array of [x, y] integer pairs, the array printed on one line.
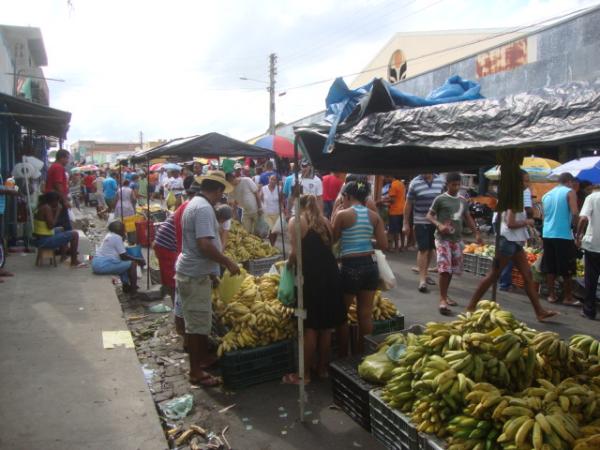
[[96, 152]]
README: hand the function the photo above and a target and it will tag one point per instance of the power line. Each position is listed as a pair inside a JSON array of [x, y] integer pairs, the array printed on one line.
[[437, 52]]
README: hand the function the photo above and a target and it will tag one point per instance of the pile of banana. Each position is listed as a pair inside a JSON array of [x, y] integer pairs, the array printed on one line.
[[488, 382], [254, 316], [243, 246], [383, 309]]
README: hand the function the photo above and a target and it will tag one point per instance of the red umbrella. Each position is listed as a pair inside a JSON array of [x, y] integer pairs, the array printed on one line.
[[280, 145], [155, 167]]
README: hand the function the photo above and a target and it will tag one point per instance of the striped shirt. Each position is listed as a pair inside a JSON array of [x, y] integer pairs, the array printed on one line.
[[165, 235], [422, 194], [357, 238]]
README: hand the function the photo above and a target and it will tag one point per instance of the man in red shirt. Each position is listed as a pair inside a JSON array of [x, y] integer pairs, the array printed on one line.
[[332, 183], [89, 182], [57, 181]]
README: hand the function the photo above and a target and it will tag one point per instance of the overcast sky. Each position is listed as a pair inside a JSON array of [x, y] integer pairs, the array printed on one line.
[[172, 68]]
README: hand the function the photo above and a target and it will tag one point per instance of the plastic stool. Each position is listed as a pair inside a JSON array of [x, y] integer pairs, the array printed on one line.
[[45, 253]]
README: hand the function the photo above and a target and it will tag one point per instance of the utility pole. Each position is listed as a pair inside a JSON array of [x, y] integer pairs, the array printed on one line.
[[271, 89], [141, 140]]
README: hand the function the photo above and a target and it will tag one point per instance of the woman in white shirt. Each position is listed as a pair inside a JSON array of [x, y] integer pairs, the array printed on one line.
[[112, 258], [513, 237], [125, 201], [272, 200]]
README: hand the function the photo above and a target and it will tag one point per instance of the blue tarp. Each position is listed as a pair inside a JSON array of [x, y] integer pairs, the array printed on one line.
[[351, 105]]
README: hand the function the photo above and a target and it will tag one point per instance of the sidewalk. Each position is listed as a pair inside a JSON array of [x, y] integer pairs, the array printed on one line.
[[60, 389]]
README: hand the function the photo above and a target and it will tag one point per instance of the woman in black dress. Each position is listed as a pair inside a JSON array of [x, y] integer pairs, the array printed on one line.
[[323, 299]]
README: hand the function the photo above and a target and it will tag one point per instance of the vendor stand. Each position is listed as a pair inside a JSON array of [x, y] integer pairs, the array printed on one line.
[[377, 134]]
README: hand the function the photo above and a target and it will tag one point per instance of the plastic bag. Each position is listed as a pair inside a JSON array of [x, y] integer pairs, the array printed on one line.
[[171, 200], [261, 228], [286, 293], [387, 280], [278, 226], [376, 368], [159, 308], [230, 284], [179, 407]]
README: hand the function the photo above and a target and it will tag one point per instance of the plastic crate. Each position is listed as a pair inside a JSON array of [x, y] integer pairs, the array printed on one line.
[[258, 267], [247, 367], [372, 341], [350, 392], [430, 442], [389, 426], [484, 264], [387, 326], [517, 278], [470, 262]]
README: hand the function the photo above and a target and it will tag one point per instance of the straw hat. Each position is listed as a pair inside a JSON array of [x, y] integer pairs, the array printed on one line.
[[218, 176]]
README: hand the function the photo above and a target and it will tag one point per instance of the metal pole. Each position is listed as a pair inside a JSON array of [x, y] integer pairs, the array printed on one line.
[[278, 165], [148, 225], [271, 89], [121, 190], [496, 261], [300, 311]]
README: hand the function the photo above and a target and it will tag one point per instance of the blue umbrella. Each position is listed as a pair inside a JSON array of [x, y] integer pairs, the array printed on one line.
[[172, 166], [587, 169]]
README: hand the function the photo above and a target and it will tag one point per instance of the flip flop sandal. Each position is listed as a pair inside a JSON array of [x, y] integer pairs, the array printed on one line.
[[430, 281], [445, 311], [575, 303], [293, 378], [81, 265], [423, 288], [451, 302]]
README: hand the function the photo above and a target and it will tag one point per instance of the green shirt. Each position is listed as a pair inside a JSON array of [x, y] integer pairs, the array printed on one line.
[[450, 210]]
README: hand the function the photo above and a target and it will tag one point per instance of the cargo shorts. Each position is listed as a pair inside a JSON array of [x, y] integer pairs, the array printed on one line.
[[195, 295]]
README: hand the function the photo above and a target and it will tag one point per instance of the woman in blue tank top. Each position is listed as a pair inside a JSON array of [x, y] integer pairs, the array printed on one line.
[[355, 226]]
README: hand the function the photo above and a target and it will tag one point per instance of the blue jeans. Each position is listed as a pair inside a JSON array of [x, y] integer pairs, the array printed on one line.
[[506, 276]]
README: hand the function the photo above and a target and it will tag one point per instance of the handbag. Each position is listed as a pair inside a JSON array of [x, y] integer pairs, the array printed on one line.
[[387, 279]]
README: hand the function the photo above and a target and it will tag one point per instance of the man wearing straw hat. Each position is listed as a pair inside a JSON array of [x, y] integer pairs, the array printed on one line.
[[197, 265]]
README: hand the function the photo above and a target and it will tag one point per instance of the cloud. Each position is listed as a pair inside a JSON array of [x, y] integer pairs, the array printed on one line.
[[172, 69]]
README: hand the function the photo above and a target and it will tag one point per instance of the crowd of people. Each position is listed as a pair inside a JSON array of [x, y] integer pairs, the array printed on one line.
[[341, 223]]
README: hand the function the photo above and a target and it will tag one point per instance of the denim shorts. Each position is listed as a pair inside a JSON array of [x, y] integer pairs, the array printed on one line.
[[359, 274], [509, 248], [57, 240]]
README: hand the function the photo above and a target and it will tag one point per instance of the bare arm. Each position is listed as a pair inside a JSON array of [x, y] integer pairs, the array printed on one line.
[[473, 226], [338, 222], [581, 229], [408, 209], [512, 222], [208, 248], [320, 202], [572, 198], [50, 216]]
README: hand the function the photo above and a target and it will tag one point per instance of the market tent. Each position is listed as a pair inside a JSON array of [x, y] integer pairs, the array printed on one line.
[[207, 145], [43, 119], [455, 136]]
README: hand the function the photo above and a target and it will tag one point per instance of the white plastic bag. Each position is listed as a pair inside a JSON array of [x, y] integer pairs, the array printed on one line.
[[387, 280]]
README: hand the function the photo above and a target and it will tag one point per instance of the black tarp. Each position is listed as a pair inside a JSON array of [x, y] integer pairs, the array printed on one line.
[[458, 136], [206, 146], [40, 118]]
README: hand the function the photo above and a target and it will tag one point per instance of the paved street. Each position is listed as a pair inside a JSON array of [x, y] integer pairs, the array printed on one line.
[[60, 388]]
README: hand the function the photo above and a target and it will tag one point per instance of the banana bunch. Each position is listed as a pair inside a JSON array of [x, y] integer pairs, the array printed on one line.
[[383, 309], [589, 346], [248, 293], [268, 285], [588, 443], [488, 316], [430, 415], [556, 359], [243, 246], [398, 390], [470, 433], [578, 399], [398, 338]]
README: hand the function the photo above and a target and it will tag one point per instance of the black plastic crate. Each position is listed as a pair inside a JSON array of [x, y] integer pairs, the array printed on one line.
[[387, 326], [484, 264], [350, 392], [247, 367], [470, 263], [390, 426], [372, 341]]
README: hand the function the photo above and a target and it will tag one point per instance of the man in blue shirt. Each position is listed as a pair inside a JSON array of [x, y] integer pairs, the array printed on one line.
[[264, 177], [110, 188]]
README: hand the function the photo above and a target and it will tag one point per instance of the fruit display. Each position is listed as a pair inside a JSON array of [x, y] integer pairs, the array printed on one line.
[[243, 246], [488, 382], [383, 309], [580, 268], [254, 316], [480, 250]]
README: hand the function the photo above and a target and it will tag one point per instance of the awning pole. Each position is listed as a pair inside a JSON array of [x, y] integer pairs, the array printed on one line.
[[300, 311], [148, 223], [121, 191]]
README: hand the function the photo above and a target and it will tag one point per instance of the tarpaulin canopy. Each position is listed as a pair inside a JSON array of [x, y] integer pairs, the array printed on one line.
[[207, 145], [454, 136], [40, 118]]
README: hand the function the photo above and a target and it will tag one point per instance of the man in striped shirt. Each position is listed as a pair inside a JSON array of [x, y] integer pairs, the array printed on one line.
[[422, 191]]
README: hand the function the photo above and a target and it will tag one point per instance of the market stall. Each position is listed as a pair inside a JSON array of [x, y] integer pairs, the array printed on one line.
[[484, 381]]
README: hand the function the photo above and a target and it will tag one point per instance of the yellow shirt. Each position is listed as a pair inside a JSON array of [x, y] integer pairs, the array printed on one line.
[[40, 227]]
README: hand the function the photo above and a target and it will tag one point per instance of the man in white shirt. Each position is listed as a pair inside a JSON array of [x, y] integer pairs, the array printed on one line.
[[311, 184], [272, 201], [588, 238], [246, 195]]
